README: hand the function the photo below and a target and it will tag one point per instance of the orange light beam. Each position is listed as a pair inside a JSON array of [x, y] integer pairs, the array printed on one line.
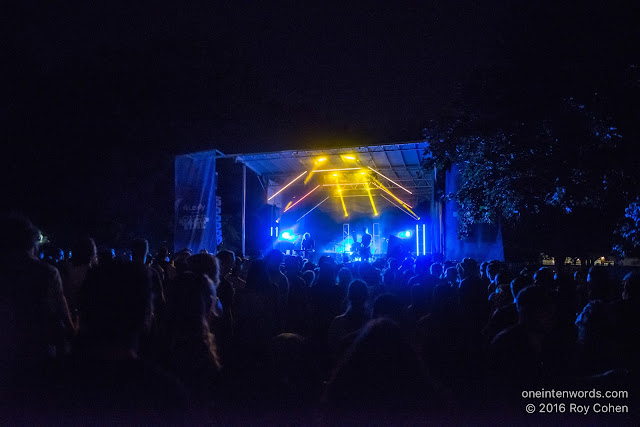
[[406, 205], [389, 179], [403, 210], [301, 198], [291, 182], [309, 211]]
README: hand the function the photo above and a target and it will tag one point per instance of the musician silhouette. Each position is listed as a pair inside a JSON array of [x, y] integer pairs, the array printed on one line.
[[365, 245], [308, 246]]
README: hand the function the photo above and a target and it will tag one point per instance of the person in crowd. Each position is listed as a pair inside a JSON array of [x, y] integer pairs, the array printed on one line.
[[35, 322], [73, 273], [501, 296], [521, 357], [105, 378], [273, 260], [345, 277], [298, 317], [190, 349], [344, 326], [380, 377], [493, 268], [139, 254], [256, 316], [507, 315], [162, 259], [106, 255], [451, 276]]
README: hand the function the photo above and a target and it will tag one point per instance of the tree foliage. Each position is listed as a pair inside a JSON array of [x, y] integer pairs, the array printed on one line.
[[561, 157]]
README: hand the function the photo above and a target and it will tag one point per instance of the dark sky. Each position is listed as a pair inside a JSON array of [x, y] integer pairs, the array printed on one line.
[[98, 97]]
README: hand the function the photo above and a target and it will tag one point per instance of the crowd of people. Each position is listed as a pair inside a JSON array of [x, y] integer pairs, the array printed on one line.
[[224, 339]]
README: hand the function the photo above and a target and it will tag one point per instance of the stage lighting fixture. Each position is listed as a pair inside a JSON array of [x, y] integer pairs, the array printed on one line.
[[405, 234], [291, 182], [321, 159], [348, 157], [337, 169], [288, 236]]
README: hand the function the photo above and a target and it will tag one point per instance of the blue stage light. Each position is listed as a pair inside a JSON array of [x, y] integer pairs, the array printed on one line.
[[405, 234], [288, 236]]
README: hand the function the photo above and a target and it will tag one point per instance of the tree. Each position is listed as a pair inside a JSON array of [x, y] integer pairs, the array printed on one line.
[[559, 170]]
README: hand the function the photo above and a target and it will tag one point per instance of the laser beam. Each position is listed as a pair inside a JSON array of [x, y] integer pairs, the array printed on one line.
[[301, 198], [389, 179], [291, 182]]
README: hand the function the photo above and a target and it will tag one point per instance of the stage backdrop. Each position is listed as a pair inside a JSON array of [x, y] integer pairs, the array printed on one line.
[[196, 225]]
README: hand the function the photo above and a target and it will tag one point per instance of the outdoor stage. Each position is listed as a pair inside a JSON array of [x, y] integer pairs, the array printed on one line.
[[330, 193]]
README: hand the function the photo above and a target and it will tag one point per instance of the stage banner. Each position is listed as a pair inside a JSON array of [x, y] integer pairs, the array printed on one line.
[[195, 203]]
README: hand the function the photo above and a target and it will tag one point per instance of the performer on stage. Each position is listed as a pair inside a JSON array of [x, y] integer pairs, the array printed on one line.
[[365, 245], [308, 246]]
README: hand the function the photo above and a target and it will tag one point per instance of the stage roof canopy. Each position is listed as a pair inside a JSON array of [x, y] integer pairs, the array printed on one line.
[[399, 161]]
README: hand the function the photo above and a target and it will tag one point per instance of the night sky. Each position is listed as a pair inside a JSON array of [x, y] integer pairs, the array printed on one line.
[[98, 97]]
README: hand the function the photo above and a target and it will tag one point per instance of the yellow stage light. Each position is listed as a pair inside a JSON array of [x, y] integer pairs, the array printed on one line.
[[338, 169], [291, 182], [321, 159], [348, 157], [373, 205]]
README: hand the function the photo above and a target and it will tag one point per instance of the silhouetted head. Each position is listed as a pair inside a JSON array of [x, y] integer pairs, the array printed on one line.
[[18, 235], [139, 250], [595, 324], [598, 283], [493, 268], [631, 283], [519, 283], [534, 309], [436, 269], [381, 372], [163, 254], [345, 275], [84, 252], [192, 299], [503, 278], [308, 276], [468, 268], [115, 303], [273, 259], [258, 276], [292, 264], [422, 264], [451, 274], [389, 306], [358, 293], [444, 298], [227, 261], [205, 264], [544, 278]]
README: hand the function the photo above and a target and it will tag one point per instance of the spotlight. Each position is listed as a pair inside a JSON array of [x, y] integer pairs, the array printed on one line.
[[288, 236], [405, 234]]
